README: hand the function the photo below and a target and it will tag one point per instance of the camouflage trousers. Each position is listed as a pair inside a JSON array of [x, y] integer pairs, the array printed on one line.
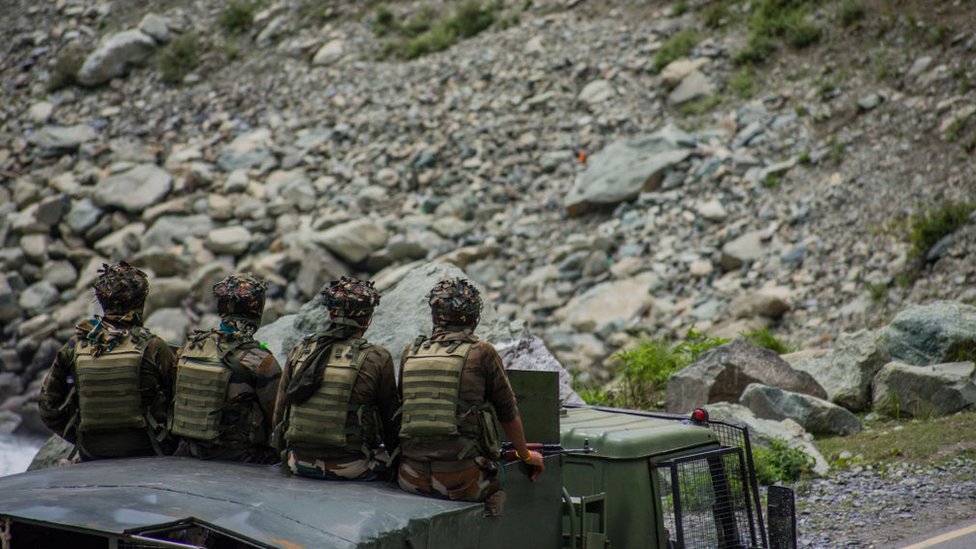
[[477, 479], [358, 469]]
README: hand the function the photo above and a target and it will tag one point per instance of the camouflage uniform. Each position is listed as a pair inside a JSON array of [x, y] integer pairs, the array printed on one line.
[[363, 452], [450, 467], [121, 291], [242, 420]]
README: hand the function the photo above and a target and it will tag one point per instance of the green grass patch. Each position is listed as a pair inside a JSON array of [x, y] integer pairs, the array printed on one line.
[[743, 83], [925, 230], [780, 462], [837, 149], [908, 440], [714, 15], [878, 292], [765, 339], [700, 106], [956, 127], [676, 47], [851, 12], [785, 20], [179, 57], [679, 8], [428, 32], [772, 180], [646, 368], [237, 17]]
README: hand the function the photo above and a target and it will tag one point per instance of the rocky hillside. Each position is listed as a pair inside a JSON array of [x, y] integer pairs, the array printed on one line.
[[607, 170]]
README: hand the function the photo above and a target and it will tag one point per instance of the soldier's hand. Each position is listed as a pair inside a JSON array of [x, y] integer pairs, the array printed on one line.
[[536, 463]]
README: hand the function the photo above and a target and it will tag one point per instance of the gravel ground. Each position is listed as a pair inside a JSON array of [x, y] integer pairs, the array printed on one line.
[[878, 506]]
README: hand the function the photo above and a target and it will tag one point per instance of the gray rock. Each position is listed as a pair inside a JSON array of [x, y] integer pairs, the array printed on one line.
[[172, 229], [10, 385], [713, 210], [293, 187], [280, 336], [770, 302], [40, 112], [610, 305], [744, 249], [924, 391], [353, 241], [934, 333], [170, 324], [694, 86], [677, 70], [121, 243], [63, 138], [318, 267], [530, 353], [52, 454], [249, 150], [82, 216], [38, 296], [9, 307], [847, 370], [329, 53], [869, 102], [161, 262], [763, 431], [9, 421], [167, 292], [61, 273], [626, 168], [114, 56], [134, 190], [232, 240], [596, 91], [155, 26], [815, 415], [50, 210], [723, 373]]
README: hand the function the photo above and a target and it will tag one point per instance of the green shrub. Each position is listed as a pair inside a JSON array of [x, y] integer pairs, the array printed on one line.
[[178, 58], [237, 17], [679, 45], [851, 12], [757, 50], [781, 463], [426, 33], [765, 339], [679, 8], [772, 180], [648, 366], [713, 16], [786, 19], [66, 66], [878, 292], [743, 83], [699, 106], [925, 230]]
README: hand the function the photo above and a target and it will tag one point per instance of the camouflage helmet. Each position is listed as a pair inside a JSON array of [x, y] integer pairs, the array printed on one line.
[[121, 288], [350, 297], [455, 301], [240, 295]]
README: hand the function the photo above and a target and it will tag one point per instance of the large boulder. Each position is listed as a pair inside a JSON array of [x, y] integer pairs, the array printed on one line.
[[530, 353], [815, 415], [280, 336], [53, 453], [723, 373], [353, 241], [763, 431], [134, 190], [610, 305], [627, 168], [846, 371], [924, 391], [115, 55], [171, 324], [943, 331]]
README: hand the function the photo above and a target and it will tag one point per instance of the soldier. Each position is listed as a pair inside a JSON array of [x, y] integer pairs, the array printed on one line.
[[338, 399], [453, 388], [109, 387], [226, 382]]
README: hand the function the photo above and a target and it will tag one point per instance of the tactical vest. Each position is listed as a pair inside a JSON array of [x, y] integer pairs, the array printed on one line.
[[432, 407], [202, 379], [109, 391], [323, 421]]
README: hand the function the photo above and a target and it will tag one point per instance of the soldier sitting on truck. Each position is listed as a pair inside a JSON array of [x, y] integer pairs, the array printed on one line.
[[226, 382], [110, 385], [453, 388], [336, 407]]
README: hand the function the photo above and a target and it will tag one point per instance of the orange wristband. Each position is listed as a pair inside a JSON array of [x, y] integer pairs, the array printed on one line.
[[526, 458]]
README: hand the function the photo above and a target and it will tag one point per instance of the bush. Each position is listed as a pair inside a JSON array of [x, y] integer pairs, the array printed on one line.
[[786, 19], [851, 12], [178, 58], [679, 45], [237, 17], [425, 33], [743, 83], [781, 463], [648, 367], [765, 339], [927, 229]]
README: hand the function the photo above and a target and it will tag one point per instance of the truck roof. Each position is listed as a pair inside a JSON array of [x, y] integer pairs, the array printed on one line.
[[258, 502], [627, 434]]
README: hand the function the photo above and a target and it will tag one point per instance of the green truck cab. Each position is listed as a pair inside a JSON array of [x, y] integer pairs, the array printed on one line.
[[614, 479]]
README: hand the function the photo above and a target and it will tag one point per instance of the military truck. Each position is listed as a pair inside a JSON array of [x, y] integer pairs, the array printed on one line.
[[615, 478]]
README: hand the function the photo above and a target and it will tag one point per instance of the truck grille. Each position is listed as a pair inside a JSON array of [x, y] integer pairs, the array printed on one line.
[[705, 501]]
